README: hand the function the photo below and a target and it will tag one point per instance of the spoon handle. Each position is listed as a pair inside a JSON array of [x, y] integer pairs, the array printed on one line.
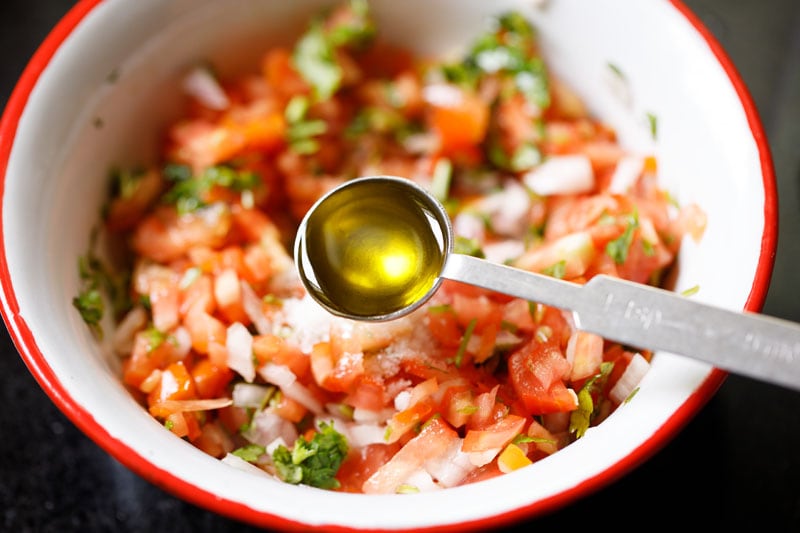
[[745, 343]]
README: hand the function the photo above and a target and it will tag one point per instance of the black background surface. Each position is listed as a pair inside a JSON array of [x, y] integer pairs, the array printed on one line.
[[735, 465]]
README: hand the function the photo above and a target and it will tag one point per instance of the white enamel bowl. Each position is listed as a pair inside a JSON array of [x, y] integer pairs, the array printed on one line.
[[106, 79]]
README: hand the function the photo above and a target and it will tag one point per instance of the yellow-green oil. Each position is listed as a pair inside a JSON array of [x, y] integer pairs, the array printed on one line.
[[375, 248]]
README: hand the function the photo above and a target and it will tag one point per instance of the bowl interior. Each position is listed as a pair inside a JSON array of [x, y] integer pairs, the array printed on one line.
[[113, 84]]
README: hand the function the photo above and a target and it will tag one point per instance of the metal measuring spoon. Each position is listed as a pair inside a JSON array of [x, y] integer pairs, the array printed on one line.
[[745, 343]]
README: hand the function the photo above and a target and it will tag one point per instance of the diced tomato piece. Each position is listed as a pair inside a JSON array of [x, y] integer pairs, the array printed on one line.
[[586, 351], [367, 393], [290, 409], [204, 329], [124, 212], [281, 75], [176, 384], [481, 309], [482, 473], [537, 371], [257, 264], [228, 294], [457, 405], [199, 296], [214, 441], [488, 410], [164, 298], [518, 313], [233, 418], [145, 358], [432, 441], [336, 372], [496, 435], [460, 119], [361, 463], [210, 379], [183, 425], [543, 440], [271, 348], [443, 325]]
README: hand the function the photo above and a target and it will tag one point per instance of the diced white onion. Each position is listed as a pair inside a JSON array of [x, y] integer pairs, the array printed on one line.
[[285, 379], [253, 309], [363, 434], [421, 480], [125, 333], [274, 445], [483, 458], [402, 400], [503, 251], [508, 209], [369, 416], [442, 95], [469, 225], [626, 173], [566, 174], [239, 343], [182, 341], [267, 426], [280, 375], [451, 467], [202, 84], [629, 379], [250, 395]]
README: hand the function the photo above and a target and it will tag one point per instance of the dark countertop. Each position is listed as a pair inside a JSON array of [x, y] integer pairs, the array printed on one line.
[[737, 463]]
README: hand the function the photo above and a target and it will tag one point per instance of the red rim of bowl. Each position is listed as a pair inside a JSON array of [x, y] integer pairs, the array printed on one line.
[[38, 366]]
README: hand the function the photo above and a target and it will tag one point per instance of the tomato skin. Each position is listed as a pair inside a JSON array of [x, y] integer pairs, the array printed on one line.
[[536, 371]]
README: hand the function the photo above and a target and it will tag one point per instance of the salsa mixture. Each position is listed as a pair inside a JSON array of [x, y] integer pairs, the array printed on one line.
[[219, 341]]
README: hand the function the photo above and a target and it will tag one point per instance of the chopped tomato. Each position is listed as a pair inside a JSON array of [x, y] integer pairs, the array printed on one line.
[[210, 379], [361, 463], [460, 119], [433, 440], [537, 371], [496, 435]]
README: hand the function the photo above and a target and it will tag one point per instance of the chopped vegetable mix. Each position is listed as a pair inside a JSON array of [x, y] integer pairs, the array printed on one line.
[[219, 341]]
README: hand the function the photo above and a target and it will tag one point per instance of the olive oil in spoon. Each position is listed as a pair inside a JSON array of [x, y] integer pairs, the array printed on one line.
[[377, 248]]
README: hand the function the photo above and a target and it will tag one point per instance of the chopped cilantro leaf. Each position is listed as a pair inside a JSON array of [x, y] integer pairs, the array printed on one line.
[[652, 121], [691, 291], [250, 452], [556, 270], [188, 191], [581, 418], [463, 245], [619, 247], [89, 304], [97, 281], [313, 462], [462, 348], [314, 55], [314, 59]]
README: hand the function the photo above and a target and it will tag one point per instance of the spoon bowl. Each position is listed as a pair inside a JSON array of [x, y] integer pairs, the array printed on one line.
[[373, 248]]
